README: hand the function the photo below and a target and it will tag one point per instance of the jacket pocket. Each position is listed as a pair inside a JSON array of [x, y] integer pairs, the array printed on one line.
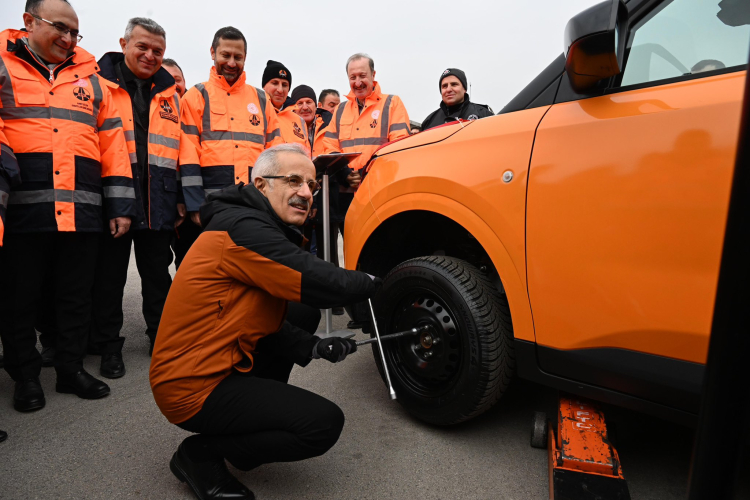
[[29, 90], [219, 118]]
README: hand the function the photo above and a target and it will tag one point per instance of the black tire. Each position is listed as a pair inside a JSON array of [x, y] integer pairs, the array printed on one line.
[[539, 430], [470, 364]]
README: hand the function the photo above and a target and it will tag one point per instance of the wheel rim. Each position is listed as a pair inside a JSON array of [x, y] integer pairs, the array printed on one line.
[[429, 363]]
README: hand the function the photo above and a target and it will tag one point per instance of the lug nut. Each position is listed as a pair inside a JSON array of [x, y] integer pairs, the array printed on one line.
[[428, 354]]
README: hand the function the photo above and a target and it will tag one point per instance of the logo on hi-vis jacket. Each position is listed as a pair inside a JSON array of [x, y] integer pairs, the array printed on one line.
[[254, 120], [167, 111], [81, 94], [298, 131], [374, 124]]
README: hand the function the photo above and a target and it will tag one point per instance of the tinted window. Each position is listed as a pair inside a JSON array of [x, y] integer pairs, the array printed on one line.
[[685, 37]]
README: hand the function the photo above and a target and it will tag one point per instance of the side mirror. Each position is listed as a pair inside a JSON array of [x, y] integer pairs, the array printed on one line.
[[592, 44]]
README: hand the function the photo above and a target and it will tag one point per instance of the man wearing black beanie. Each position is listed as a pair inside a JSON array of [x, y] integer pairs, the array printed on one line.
[[455, 104], [277, 80]]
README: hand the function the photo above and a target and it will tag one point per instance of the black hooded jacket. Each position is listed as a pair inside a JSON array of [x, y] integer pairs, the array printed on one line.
[[467, 110]]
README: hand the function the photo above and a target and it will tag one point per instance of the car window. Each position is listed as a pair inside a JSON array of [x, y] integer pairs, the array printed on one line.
[[686, 37]]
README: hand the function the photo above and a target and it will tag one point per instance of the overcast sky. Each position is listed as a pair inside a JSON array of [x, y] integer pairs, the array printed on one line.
[[500, 44]]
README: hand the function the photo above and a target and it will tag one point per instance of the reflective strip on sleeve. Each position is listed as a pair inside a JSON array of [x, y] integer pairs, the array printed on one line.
[[160, 161], [399, 126], [129, 135], [339, 114], [119, 192], [262, 102], [111, 123], [190, 129], [29, 112], [331, 135], [276, 133], [53, 195], [177, 103], [192, 180], [367, 141], [164, 141], [385, 118], [7, 98], [133, 157]]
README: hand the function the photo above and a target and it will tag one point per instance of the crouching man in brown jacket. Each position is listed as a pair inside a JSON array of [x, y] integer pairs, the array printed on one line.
[[224, 351]]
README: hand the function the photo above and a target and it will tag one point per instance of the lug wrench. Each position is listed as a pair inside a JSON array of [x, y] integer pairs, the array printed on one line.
[[391, 392], [413, 331]]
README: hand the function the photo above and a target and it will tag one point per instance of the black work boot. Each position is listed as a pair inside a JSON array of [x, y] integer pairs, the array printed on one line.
[[208, 480], [82, 384], [28, 395], [112, 365]]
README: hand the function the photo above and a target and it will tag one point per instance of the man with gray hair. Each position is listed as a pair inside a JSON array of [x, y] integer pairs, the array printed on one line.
[[147, 98], [224, 350]]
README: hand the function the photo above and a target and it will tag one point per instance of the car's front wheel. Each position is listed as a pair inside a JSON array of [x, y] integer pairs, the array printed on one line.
[[462, 365]]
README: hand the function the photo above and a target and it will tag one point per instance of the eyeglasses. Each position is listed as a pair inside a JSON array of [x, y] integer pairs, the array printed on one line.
[[61, 28], [295, 182]]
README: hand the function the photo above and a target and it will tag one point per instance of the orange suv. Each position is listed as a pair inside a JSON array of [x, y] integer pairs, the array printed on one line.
[[576, 236]]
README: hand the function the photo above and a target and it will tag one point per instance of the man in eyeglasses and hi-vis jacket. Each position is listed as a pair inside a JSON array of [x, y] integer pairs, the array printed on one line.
[[224, 350], [61, 123]]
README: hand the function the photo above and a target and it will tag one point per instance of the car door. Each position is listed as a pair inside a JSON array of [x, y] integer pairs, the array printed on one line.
[[627, 201]]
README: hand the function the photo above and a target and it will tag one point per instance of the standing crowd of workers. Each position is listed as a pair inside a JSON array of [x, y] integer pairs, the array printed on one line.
[[103, 157]]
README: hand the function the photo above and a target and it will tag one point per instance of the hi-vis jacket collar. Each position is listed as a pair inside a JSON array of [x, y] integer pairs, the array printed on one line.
[[371, 99], [10, 42], [221, 82]]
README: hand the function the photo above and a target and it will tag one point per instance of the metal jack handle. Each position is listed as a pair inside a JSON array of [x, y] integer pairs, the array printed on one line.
[[382, 354]]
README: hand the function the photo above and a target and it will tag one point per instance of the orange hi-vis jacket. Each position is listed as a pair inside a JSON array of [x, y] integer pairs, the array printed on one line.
[[322, 119], [383, 119], [67, 137], [292, 126], [162, 186], [224, 130]]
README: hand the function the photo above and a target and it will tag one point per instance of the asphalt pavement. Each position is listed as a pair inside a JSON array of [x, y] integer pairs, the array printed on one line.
[[120, 446]]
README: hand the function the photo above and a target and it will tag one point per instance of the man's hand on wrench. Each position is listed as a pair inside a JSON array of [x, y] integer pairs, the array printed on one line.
[[333, 349]]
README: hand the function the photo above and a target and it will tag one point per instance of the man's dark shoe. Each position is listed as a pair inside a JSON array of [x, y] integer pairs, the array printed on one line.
[[112, 365], [48, 356], [82, 384], [28, 395], [3, 436], [208, 480], [337, 311]]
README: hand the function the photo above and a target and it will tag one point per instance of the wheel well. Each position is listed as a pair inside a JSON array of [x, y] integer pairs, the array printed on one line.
[[420, 233]]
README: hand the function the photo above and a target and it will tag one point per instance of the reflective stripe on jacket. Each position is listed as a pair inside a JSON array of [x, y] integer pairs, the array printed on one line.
[[224, 130], [383, 119], [164, 190], [67, 137]]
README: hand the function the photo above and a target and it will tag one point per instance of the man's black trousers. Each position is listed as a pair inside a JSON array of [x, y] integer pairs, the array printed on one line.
[[256, 418], [63, 261], [153, 256]]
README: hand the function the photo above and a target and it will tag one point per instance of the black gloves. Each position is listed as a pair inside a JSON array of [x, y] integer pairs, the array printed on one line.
[[333, 349]]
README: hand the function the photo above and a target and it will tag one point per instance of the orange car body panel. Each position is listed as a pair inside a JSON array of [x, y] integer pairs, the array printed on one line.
[[624, 221], [464, 183], [628, 198]]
